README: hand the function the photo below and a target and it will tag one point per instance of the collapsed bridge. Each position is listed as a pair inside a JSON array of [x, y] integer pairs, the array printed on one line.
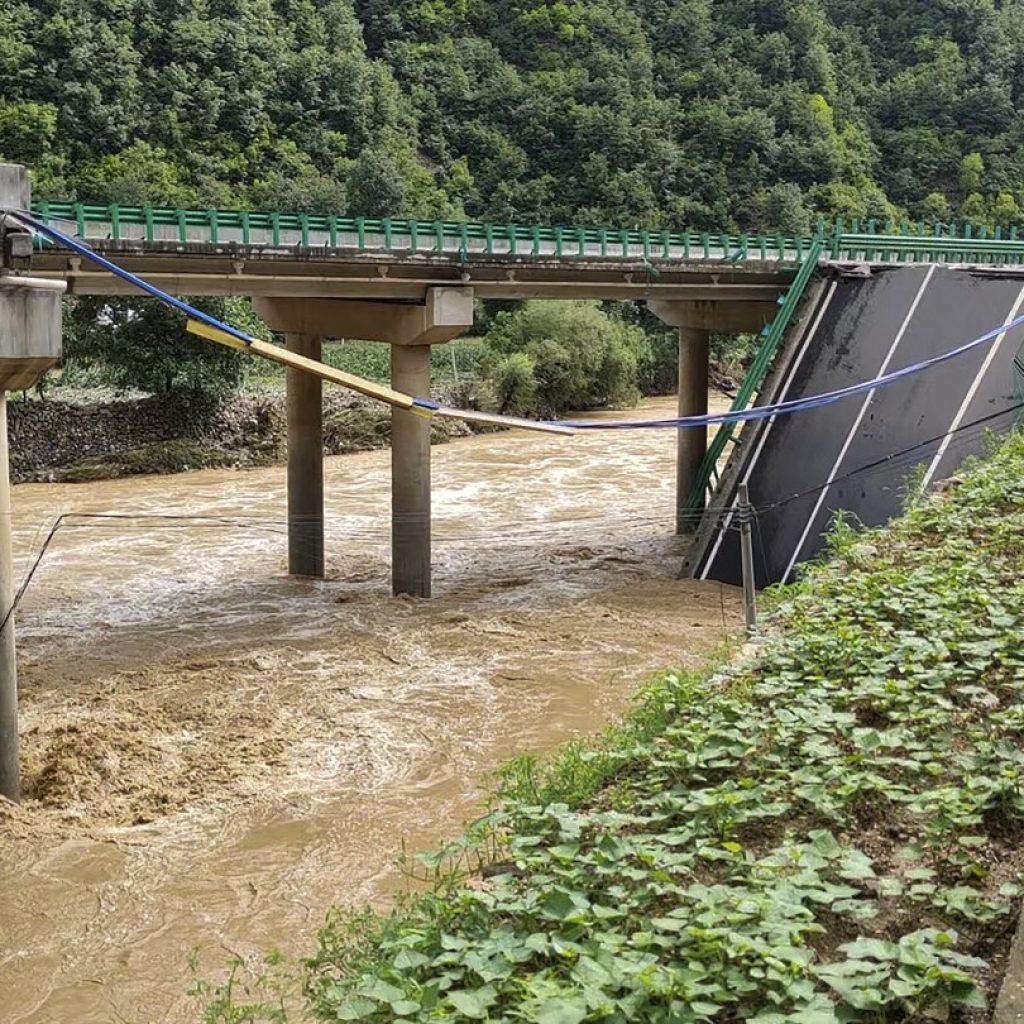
[[863, 457], [838, 308]]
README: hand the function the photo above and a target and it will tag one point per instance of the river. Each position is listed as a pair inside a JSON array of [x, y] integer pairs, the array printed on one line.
[[215, 754]]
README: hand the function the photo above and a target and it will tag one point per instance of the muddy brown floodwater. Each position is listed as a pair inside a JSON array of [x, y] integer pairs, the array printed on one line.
[[215, 754]]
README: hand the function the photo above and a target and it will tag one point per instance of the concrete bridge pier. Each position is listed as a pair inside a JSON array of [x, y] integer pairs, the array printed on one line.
[[410, 475], [692, 443], [30, 343], [696, 321], [304, 404], [410, 329]]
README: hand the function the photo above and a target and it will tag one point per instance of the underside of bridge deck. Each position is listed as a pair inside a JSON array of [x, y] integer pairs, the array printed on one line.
[[233, 270]]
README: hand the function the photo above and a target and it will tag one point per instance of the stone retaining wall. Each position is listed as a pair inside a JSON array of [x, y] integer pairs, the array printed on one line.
[[56, 439]]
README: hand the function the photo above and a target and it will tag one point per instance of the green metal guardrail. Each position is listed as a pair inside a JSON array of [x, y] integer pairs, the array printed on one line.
[[899, 243], [904, 243], [790, 302], [145, 223]]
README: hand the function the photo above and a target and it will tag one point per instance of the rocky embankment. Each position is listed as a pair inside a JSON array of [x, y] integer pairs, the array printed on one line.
[[80, 437]]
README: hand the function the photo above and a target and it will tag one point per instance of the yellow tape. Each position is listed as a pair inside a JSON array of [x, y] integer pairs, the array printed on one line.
[[214, 334], [364, 387]]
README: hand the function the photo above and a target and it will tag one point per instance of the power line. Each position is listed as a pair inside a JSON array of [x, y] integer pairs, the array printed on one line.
[[891, 459]]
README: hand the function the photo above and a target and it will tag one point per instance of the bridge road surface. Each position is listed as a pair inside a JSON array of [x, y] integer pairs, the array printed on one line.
[[860, 328]]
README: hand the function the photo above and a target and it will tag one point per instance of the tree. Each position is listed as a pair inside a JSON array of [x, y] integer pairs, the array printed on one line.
[[142, 344], [935, 206], [785, 210], [375, 186], [1005, 211], [974, 209], [579, 356], [972, 172]]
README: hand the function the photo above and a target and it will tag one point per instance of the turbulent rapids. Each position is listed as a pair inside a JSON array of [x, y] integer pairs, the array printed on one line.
[[215, 753]]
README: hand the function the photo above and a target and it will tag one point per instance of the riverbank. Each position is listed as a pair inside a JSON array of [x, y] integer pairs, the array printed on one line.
[[87, 435], [830, 830]]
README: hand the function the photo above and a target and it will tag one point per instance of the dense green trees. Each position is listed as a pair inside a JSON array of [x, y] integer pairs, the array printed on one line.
[[141, 343], [703, 113], [715, 114]]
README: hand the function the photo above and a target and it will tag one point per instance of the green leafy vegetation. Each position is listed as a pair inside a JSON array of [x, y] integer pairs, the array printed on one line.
[[553, 355], [143, 344], [827, 831]]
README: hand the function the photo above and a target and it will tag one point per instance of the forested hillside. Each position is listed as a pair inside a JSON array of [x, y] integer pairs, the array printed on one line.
[[701, 113]]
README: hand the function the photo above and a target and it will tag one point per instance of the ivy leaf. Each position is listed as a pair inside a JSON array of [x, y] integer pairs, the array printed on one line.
[[564, 906], [355, 1008], [825, 843], [473, 1002], [410, 958], [875, 949], [668, 924], [382, 991], [404, 1007], [561, 1011]]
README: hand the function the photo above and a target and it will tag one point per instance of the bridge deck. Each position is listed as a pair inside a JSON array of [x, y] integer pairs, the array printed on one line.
[[802, 469]]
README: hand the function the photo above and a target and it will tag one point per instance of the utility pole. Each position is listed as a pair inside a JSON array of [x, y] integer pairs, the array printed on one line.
[[745, 514], [30, 337]]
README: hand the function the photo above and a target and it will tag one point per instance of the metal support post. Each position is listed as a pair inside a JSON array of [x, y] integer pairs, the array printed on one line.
[[745, 515]]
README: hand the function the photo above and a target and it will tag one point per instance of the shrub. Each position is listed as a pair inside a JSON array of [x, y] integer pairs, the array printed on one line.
[[515, 385], [582, 358]]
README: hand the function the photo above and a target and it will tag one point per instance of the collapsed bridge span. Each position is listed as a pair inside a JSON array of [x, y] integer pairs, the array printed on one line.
[[860, 456]]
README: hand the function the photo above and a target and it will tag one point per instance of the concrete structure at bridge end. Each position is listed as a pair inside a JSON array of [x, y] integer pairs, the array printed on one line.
[[30, 343], [410, 329]]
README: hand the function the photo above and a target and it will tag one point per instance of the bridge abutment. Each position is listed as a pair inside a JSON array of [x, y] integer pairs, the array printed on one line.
[[305, 462]]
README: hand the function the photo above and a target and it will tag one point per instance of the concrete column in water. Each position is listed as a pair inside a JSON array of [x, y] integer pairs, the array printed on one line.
[[694, 354], [410, 329], [305, 463], [410, 475]]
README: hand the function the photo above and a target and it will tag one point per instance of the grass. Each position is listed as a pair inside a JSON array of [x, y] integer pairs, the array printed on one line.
[[828, 832]]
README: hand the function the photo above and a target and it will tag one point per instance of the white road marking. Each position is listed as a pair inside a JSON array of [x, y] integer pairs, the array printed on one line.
[[962, 411], [857, 422], [709, 561]]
